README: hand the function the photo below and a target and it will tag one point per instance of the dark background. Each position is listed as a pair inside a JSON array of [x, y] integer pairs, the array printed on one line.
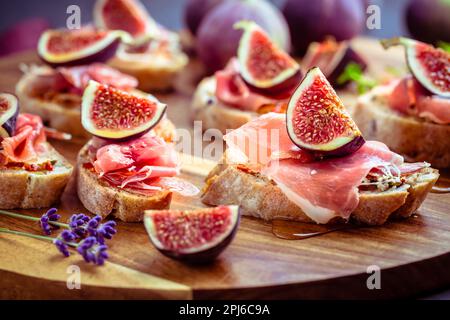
[[167, 12]]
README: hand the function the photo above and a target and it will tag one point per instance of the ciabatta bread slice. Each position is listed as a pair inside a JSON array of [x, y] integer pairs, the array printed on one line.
[[101, 198], [215, 114], [22, 189], [258, 196], [414, 138], [62, 115]]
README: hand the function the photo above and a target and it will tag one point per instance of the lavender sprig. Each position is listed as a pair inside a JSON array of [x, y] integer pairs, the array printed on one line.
[[48, 221], [93, 251], [62, 247], [77, 224], [103, 231], [46, 218], [80, 224], [90, 249]]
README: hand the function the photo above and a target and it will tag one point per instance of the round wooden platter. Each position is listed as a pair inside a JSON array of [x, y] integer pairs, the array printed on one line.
[[413, 255]]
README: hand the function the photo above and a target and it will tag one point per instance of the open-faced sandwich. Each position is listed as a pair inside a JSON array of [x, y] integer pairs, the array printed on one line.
[[130, 165], [32, 173], [412, 115], [54, 91], [154, 57], [260, 79], [313, 165]]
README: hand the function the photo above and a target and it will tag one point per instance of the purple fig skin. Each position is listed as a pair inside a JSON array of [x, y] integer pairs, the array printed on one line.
[[282, 90], [205, 256], [196, 10], [218, 40], [10, 124], [346, 149], [311, 21], [428, 20], [349, 57], [101, 56]]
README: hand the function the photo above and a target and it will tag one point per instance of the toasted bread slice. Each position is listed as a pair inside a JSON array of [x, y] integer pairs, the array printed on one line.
[[101, 198], [215, 114], [53, 114], [22, 189], [260, 197], [412, 137], [64, 118], [152, 74]]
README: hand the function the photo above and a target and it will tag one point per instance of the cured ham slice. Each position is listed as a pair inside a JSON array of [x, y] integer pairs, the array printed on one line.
[[325, 189], [27, 142], [73, 80], [146, 164], [146, 150], [322, 189], [79, 76], [232, 90], [261, 139], [434, 108], [409, 97]]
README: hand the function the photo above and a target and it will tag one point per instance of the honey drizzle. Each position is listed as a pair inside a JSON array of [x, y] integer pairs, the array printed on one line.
[[291, 230], [442, 185]]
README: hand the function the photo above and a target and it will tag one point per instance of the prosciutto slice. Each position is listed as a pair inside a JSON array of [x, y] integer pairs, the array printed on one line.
[[260, 140], [409, 97], [27, 142], [79, 76], [322, 189], [232, 90], [74, 79], [146, 164]]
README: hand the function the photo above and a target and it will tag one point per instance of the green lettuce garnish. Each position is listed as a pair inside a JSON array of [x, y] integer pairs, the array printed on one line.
[[444, 46], [354, 73]]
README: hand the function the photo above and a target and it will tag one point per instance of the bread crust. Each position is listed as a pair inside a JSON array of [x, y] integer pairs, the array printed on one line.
[[100, 198], [215, 114], [412, 137], [260, 197], [151, 76], [21, 189]]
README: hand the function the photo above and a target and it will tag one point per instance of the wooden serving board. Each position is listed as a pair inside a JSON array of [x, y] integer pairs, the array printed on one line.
[[413, 255]]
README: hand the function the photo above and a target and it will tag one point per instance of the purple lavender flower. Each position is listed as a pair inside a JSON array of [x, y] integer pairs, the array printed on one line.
[[47, 217], [94, 222], [93, 251], [62, 247], [68, 236], [77, 224], [104, 231], [107, 230]]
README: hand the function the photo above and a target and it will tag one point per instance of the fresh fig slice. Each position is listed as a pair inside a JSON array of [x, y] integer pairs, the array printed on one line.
[[128, 15], [429, 65], [317, 120], [196, 236], [332, 58], [111, 113], [63, 47], [262, 64], [9, 110]]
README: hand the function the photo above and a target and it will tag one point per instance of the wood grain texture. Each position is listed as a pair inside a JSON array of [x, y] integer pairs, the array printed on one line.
[[414, 254]]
